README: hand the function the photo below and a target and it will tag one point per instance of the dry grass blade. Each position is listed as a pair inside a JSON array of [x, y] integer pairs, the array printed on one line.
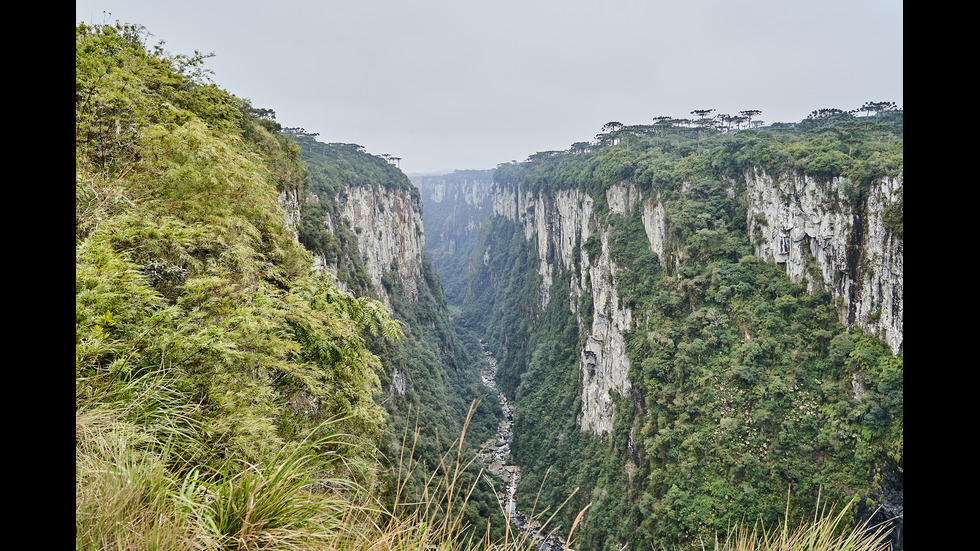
[[578, 518]]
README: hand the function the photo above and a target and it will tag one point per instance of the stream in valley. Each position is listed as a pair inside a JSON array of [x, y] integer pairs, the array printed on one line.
[[495, 456]]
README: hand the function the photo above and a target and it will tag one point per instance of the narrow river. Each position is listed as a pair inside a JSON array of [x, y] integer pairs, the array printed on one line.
[[495, 456]]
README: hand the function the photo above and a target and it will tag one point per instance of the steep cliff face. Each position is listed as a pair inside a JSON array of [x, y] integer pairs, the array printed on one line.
[[813, 230], [362, 219], [558, 224], [798, 222], [456, 205], [695, 335], [289, 199], [622, 199], [388, 226]]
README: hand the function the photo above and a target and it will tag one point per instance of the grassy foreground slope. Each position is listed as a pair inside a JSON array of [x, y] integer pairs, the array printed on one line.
[[224, 394]]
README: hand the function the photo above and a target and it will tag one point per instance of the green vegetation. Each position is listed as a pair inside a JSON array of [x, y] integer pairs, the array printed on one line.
[[229, 397], [439, 368], [213, 370], [742, 381], [184, 265]]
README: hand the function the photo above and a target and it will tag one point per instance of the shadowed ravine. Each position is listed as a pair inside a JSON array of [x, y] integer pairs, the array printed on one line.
[[495, 456]]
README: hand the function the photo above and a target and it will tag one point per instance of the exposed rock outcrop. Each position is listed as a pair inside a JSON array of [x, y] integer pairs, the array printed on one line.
[[812, 229], [807, 226], [289, 199], [558, 224], [388, 226]]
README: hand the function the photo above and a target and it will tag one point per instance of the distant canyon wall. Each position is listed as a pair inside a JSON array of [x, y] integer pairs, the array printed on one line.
[[456, 205]]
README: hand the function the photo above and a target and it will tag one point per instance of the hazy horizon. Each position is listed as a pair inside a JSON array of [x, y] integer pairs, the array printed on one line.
[[450, 85]]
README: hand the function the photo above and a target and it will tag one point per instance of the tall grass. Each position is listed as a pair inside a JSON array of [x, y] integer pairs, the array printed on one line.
[[123, 471], [138, 486], [128, 497], [825, 532], [143, 481]]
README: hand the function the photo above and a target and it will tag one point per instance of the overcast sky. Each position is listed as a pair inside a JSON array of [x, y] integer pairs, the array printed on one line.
[[462, 84]]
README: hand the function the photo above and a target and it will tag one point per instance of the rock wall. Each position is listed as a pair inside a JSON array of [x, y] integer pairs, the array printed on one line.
[[390, 237], [805, 225], [471, 187], [559, 223], [455, 207], [623, 198], [289, 199], [811, 228]]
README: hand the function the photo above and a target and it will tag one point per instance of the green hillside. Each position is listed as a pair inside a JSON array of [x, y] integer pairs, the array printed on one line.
[[742, 382], [226, 395]]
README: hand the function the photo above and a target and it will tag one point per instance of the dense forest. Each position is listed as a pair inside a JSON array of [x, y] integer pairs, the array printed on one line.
[[249, 377], [748, 395]]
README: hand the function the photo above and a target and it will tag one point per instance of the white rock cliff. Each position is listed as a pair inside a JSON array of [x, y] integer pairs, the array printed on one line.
[[811, 229], [556, 223], [388, 226]]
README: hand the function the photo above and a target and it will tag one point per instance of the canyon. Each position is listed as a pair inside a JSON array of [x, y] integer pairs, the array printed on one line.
[[572, 246]]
